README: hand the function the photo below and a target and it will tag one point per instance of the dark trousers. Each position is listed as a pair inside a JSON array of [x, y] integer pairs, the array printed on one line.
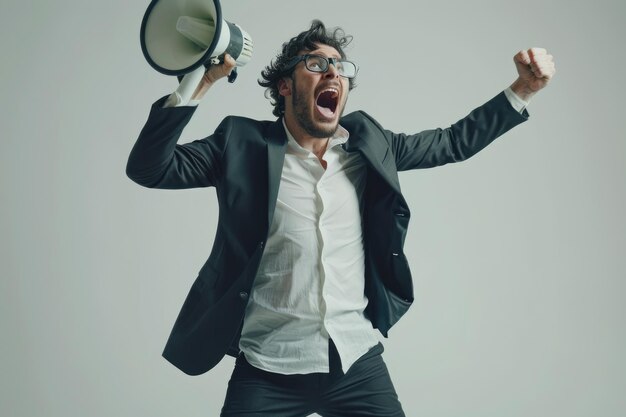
[[366, 390]]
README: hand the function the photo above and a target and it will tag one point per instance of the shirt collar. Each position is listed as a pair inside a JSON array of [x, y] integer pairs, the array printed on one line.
[[340, 137]]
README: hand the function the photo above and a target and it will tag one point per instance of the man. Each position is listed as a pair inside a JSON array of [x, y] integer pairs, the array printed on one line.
[[307, 259]]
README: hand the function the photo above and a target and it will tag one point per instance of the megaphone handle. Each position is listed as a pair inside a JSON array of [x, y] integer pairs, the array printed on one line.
[[189, 83], [232, 76]]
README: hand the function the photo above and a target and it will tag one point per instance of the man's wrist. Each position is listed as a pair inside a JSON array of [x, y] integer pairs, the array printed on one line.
[[516, 102], [521, 89]]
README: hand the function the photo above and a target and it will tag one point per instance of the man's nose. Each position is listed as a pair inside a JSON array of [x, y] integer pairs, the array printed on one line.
[[331, 72]]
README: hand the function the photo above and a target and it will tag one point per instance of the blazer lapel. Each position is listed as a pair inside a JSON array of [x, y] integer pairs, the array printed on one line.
[[276, 146], [373, 147]]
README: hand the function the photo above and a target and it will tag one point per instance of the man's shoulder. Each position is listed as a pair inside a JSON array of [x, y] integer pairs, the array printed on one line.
[[356, 116], [359, 117], [247, 129], [361, 122], [244, 122]]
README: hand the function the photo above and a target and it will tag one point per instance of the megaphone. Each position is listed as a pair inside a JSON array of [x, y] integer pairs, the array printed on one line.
[[184, 37]]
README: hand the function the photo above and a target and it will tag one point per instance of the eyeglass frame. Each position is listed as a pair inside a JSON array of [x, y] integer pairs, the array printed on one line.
[[290, 65]]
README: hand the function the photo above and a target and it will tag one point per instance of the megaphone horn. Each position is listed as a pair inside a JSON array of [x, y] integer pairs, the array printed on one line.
[[180, 37]]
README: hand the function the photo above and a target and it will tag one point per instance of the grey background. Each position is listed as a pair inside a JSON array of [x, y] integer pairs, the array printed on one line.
[[517, 254]]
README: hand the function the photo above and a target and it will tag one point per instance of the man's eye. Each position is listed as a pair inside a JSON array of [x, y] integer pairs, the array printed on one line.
[[316, 64]]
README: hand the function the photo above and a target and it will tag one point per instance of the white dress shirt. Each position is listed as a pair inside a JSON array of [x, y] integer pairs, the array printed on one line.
[[310, 283]]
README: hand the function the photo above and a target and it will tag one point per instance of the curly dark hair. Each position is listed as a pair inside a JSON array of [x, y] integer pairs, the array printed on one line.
[[305, 41]]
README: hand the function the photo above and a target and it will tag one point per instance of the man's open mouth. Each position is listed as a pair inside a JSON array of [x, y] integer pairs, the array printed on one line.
[[327, 101]]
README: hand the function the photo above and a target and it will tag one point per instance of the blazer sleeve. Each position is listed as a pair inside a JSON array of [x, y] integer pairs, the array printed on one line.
[[458, 142], [157, 161]]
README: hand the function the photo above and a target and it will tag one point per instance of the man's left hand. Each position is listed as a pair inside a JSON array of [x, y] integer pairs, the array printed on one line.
[[535, 67]]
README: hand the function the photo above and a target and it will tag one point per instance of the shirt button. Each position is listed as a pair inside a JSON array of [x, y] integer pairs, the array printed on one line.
[[243, 295]]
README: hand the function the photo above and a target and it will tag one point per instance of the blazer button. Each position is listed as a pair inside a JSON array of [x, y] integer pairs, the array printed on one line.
[[243, 295]]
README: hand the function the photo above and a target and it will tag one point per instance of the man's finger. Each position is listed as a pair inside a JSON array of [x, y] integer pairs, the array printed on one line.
[[536, 52], [543, 60], [546, 71], [522, 57], [229, 61]]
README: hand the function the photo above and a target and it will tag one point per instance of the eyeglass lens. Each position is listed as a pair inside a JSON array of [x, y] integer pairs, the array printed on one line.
[[320, 64]]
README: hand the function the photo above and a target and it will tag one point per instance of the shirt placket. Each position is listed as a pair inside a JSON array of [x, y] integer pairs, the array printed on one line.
[[323, 189]]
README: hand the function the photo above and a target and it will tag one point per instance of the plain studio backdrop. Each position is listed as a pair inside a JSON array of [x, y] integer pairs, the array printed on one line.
[[518, 254]]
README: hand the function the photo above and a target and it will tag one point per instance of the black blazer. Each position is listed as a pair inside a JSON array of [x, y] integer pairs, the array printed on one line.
[[243, 160]]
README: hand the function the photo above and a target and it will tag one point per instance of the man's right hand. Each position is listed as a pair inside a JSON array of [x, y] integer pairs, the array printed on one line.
[[214, 73]]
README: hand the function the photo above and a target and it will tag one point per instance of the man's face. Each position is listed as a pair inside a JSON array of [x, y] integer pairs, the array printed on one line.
[[316, 100]]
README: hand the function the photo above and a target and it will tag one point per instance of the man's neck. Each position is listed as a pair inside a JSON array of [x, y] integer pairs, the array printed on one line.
[[308, 142]]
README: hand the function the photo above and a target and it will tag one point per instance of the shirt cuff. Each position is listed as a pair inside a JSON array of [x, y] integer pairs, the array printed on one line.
[[175, 100], [518, 104]]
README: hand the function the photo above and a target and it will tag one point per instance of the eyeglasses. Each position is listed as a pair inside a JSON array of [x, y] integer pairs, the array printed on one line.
[[317, 63]]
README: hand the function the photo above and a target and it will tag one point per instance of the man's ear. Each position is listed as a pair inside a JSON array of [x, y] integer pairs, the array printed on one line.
[[284, 86]]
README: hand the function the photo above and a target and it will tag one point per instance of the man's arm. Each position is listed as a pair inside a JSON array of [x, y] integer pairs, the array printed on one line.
[[482, 126], [157, 161], [460, 141]]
